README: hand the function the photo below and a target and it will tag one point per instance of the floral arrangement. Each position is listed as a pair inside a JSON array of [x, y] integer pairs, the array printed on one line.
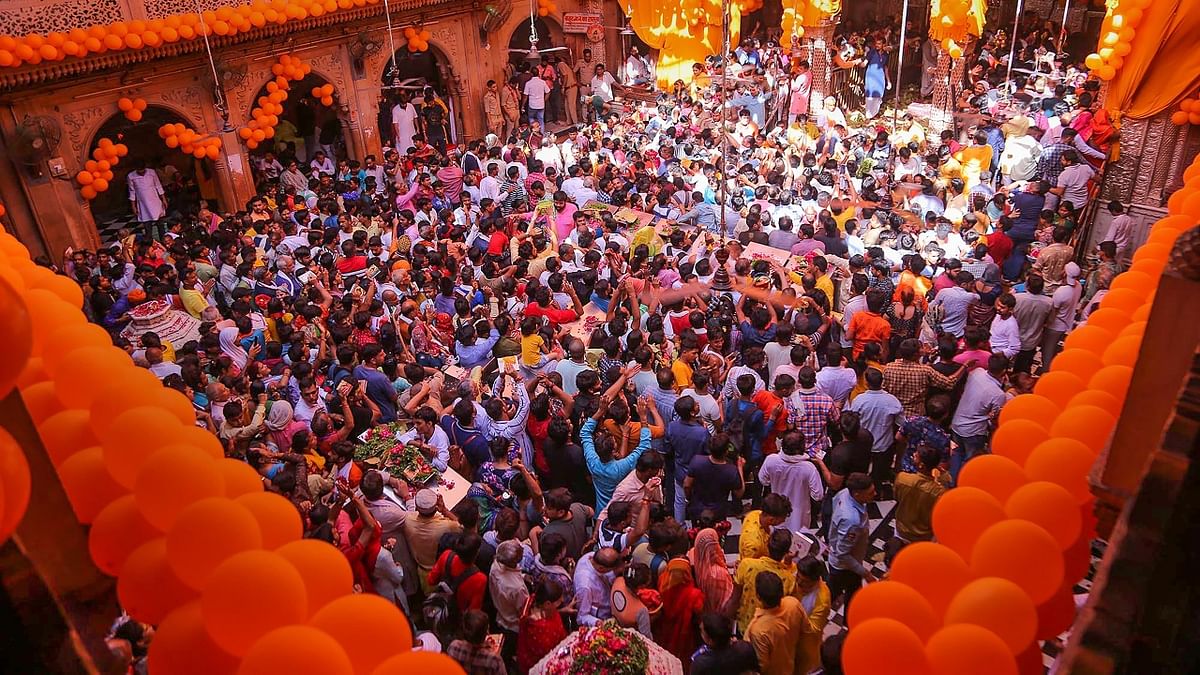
[[606, 649], [380, 450]]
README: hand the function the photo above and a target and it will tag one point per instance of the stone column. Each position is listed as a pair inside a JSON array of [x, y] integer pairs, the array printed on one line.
[[600, 49], [816, 44], [941, 111], [234, 176]]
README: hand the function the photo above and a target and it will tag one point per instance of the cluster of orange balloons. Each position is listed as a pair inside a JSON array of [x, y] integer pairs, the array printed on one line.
[[132, 107], [955, 20], [1014, 536], [324, 93], [1116, 34], [546, 7], [139, 34], [266, 114], [197, 546], [1188, 113], [180, 136], [418, 36], [97, 173]]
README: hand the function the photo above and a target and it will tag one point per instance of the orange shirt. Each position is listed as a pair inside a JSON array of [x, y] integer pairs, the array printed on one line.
[[869, 327], [768, 403]]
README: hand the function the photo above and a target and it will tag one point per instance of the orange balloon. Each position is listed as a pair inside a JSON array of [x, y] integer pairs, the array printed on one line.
[[1082, 363], [205, 534], [1166, 236], [1087, 424], [1100, 399], [1152, 267], [1088, 337], [1137, 281], [1032, 407], [62, 341], [14, 484], [1016, 438], [68, 290], [893, 600], [1158, 252], [181, 646], [967, 648], [147, 588], [32, 374], [296, 650], [1109, 318], [1029, 662], [999, 606], [883, 646], [1064, 461], [239, 478], [934, 570], [325, 571], [202, 439], [1113, 380], [41, 401], [47, 312], [419, 662], [278, 519], [1058, 386], [1077, 560], [138, 388], [135, 435], [961, 515], [116, 532], [996, 475], [1137, 328], [248, 595], [80, 371], [1123, 351], [371, 629], [1126, 299], [87, 483], [1022, 552], [174, 402], [1049, 506], [66, 433], [173, 478]]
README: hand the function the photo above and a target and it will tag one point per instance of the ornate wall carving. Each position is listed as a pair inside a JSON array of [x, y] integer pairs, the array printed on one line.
[[1154, 154], [156, 9], [45, 17]]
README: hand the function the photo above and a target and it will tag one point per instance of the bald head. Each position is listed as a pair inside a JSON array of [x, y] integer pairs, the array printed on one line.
[[607, 557], [576, 349]]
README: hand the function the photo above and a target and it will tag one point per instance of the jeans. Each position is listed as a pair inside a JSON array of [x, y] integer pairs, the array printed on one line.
[[968, 448], [538, 115], [1050, 340], [1016, 260], [843, 581], [680, 503]]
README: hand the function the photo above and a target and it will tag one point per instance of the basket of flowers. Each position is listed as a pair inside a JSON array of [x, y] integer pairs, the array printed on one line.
[[607, 649], [380, 450]]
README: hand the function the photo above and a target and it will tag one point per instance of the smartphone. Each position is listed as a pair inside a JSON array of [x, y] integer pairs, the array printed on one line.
[[305, 277]]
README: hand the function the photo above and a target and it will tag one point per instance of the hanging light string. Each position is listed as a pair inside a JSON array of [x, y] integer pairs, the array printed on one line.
[[387, 14], [533, 36], [211, 64]]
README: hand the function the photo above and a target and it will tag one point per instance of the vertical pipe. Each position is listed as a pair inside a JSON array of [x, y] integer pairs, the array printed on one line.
[[1012, 50], [724, 114], [1062, 32], [900, 61]]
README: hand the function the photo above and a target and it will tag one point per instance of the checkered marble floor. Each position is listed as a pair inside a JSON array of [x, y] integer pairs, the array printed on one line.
[[880, 515]]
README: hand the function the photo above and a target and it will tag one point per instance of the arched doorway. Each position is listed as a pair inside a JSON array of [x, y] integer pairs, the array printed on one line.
[[184, 178], [550, 40], [306, 125], [425, 80]]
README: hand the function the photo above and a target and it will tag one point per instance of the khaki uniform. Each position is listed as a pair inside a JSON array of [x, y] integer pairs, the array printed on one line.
[[493, 112]]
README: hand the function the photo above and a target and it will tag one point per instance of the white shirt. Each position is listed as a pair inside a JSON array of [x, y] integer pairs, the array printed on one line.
[[602, 86], [1120, 231], [489, 187], [439, 441], [1062, 317], [1074, 181], [878, 411], [796, 478], [1006, 335], [837, 381], [165, 368], [536, 89], [147, 191], [305, 412]]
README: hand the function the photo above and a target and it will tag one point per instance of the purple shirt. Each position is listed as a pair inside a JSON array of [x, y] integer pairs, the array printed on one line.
[[806, 246]]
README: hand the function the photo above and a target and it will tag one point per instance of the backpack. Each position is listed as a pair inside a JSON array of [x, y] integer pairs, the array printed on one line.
[[737, 425]]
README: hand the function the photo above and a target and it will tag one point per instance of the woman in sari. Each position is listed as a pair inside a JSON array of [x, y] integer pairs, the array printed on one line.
[[228, 338], [682, 602], [712, 573], [541, 626], [281, 425]]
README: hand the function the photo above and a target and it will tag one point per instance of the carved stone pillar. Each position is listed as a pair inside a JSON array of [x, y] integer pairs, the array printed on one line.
[[234, 176], [599, 49], [816, 44], [939, 120]]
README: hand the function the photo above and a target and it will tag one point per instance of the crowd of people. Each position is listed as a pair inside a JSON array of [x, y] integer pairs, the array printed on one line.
[[626, 341]]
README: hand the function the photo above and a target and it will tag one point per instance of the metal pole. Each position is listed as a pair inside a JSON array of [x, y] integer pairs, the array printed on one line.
[[900, 62], [724, 114], [1012, 49], [1062, 31]]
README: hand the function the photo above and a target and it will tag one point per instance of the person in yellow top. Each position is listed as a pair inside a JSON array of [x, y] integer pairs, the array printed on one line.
[[776, 630], [814, 599], [756, 526], [684, 368], [193, 294], [975, 160], [533, 345], [777, 562], [823, 280]]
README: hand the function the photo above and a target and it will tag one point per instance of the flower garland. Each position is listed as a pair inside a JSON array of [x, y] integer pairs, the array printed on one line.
[[606, 649]]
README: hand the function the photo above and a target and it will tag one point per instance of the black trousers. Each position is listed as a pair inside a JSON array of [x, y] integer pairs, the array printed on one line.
[[843, 581]]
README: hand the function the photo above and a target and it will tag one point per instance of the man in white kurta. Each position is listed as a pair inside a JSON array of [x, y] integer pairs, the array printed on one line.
[[146, 196], [404, 124], [794, 475]]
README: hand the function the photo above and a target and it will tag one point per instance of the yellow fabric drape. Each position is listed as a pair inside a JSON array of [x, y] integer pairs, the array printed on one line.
[[1164, 66], [664, 26]]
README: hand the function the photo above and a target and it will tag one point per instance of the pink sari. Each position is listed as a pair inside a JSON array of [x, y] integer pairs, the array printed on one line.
[[712, 574]]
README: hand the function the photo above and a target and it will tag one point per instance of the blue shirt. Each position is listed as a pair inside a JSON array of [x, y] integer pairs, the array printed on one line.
[[606, 475], [685, 440], [477, 354], [876, 75], [380, 391], [848, 534]]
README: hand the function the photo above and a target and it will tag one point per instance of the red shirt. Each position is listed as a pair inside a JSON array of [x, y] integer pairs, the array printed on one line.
[[553, 314], [469, 594], [1000, 246]]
